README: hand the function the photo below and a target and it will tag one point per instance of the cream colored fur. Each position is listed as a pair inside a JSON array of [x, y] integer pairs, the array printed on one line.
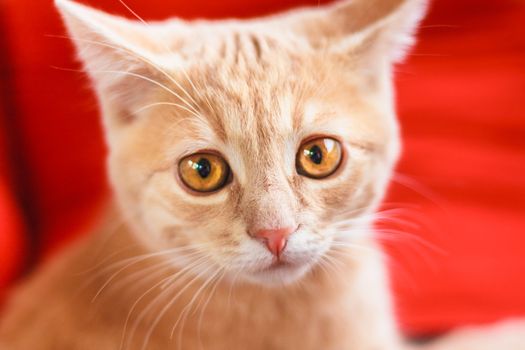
[[169, 269]]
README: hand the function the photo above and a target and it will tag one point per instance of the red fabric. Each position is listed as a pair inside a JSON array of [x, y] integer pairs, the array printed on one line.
[[11, 227], [11, 237], [461, 106]]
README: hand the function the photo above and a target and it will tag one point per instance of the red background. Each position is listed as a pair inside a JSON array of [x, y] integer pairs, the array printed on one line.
[[461, 103]]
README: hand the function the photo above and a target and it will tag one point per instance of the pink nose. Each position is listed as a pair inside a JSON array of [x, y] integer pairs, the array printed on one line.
[[275, 239]]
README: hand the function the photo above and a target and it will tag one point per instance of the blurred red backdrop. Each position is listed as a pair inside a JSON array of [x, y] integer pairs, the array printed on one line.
[[461, 104]]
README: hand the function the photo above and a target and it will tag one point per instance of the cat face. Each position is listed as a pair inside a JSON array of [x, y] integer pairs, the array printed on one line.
[[256, 122], [251, 148]]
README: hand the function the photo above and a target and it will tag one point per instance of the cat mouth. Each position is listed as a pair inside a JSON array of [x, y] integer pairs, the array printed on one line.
[[278, 264], [286, 262], [281, 265], [278, 272], [284, 269]]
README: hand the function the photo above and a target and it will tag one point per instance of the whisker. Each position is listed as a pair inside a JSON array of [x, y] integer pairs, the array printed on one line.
[[165, 265], [143, 295], [232, 283], [169, 304], [353, 246], [185, 312], [141, 109], [178, 277], [325, 268], [134, 260], [201, 316], [392, 234], [164, 87], [417, 187]]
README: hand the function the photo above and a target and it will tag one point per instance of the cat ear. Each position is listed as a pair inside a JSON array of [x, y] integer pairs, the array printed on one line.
[[371, 29], [115, 51]]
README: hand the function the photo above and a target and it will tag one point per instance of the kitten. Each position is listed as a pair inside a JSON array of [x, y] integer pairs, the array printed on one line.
[[247, 159]]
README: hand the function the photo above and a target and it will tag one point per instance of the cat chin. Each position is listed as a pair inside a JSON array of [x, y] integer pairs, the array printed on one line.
[[277, 275]]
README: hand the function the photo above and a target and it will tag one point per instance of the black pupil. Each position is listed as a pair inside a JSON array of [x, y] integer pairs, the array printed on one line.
[[316, 154], [203, 167]]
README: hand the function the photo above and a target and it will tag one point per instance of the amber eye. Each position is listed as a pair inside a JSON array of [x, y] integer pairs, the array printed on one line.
[[319, 158], [204, 172]]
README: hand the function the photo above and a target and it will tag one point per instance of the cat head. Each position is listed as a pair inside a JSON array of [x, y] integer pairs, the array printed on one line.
[[250, 147]]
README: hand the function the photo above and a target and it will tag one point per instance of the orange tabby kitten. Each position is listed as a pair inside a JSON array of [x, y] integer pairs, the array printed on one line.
[[247, 159]]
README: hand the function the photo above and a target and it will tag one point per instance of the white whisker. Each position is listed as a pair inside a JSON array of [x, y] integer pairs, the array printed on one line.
[[185, 311], [140, 76], [141, 109], [170, 303], [201, 316], [143, 295]]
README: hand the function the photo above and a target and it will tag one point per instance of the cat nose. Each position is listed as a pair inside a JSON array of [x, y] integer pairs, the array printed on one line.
[[275, 239]]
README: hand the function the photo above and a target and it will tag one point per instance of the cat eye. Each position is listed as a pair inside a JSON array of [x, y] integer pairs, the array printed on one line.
[[204, 172], [319, 158]]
